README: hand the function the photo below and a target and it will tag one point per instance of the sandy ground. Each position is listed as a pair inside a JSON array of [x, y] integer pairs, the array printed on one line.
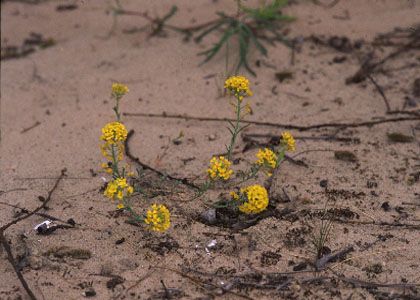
[[55, 101]]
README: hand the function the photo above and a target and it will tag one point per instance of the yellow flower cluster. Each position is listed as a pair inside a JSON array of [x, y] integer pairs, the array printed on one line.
[[267, 158], [288, 141], [114, 132], [158, 217], [255, 199], [118, 189], [238, 86], [220, 168], [119, 89]]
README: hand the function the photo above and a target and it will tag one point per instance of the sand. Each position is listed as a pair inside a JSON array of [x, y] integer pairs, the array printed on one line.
[[54, 102]]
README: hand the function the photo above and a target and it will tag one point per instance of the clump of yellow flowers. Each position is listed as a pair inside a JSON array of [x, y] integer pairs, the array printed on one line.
[[114, 132], [113, 137], [219, 168], [288, 141], [238, 86], [118, 189], [252, 199], [158, 217]]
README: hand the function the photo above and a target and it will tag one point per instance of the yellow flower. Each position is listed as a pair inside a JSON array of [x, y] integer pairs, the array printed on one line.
[[114, 132], [107, 167], [120, 206], [234, 195], [256, 199], [119, 89], [288, 141], [158, 217], [118, 188], [110, 190], [219, 168], [267, 158], [238, 86]]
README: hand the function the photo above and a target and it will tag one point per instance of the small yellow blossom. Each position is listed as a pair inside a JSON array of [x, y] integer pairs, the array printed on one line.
[[234, 195], [256, 199], [248, 109], [114, 132], [118, 188], [120, 206], [158, 217], [238, 86], [267, 158], [107, 168], [220, 168], [119, 89], [288, 141]]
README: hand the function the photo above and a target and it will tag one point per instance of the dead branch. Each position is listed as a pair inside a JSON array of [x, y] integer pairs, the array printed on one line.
[[381, 92], [184, 181], [323, 261], [369, 68], [279, 125]]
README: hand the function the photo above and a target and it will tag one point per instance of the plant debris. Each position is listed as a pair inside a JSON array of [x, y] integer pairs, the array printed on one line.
[[397, 137], [64, 251], [345, 156]]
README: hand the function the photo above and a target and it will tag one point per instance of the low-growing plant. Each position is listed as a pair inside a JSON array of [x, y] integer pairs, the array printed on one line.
[[321, 235], [119, 189], [251, 199], [249, 26]]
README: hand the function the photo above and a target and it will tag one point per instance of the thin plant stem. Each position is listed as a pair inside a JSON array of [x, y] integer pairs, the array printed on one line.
[[236, 129], [117, 108], [115, 170]]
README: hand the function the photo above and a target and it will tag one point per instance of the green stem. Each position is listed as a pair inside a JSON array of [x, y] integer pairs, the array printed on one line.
[[135, 216], [115, 171], [117, 108], [236, 129], [204, 188]]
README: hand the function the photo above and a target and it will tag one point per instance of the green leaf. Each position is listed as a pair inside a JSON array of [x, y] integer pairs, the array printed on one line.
[[243, 52], [172, 12], [210, 29], [259, 46], [212, 52]]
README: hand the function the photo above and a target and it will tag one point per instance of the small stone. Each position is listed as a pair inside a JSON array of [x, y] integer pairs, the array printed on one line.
[[89, 292], [212, 137], [385, 206], [323, 183], [209, 216]]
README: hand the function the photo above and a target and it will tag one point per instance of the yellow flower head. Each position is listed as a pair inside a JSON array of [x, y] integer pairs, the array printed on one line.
[[288, 141], [267, 158], [255, 199], [118, 189], [107, 167], [113, 133], [234, 195], [119, 90], [238, 86], [219, 168], [158, 217]]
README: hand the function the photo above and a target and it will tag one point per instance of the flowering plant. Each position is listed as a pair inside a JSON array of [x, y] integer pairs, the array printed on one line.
[[113, 137]]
